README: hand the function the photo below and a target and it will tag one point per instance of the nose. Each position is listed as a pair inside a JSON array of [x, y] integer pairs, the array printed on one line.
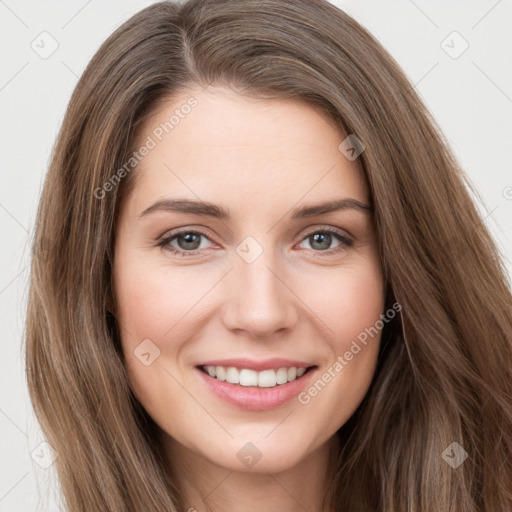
[[259, 301]]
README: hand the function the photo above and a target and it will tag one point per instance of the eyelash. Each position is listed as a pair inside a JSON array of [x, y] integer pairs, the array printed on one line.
[[344, 240]]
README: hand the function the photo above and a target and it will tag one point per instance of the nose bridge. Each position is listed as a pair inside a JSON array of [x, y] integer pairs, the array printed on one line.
[[260, 302]]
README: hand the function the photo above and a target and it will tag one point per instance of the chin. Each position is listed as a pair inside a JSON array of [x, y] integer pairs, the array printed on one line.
[[265, 456]]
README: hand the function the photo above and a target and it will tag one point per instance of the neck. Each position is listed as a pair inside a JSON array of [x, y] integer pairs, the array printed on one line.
[[207, 487]]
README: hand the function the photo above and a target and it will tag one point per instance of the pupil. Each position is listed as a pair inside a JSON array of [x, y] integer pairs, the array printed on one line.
[[190, 243], [326, 238]]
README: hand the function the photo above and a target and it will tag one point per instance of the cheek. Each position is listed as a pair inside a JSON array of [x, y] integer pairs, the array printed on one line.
[[359, 305], [347, 301], [153, 305], [151, 301], [358, 322], [353, 319], [162, 305]]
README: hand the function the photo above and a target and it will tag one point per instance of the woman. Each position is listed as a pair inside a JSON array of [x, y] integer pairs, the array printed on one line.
[[265, 285]]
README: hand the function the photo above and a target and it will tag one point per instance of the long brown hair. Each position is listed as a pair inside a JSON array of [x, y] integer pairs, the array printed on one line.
[[445, 367]]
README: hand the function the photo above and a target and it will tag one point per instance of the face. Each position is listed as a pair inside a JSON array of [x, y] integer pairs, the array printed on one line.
[[239, 301]]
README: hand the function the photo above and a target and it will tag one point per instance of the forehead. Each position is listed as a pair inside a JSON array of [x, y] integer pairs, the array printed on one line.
[[243, 152]]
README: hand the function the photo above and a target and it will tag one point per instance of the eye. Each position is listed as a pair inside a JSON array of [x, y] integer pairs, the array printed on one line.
[[320, 240], [188, 242]]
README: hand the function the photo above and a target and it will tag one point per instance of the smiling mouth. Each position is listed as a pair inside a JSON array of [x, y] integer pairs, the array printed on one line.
[[250, 378]]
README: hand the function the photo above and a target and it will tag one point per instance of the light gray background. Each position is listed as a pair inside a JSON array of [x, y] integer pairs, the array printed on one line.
[[470, 96]]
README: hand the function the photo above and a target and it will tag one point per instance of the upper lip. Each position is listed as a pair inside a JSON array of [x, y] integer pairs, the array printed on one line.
[[252, 364]]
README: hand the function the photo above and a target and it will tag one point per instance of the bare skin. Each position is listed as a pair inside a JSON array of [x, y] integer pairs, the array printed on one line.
[[302, 298]]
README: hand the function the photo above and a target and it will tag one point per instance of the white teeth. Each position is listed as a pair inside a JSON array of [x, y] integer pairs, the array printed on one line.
[[232, 375], [267, 379], [246, 377], [282, 376], [220, 372]]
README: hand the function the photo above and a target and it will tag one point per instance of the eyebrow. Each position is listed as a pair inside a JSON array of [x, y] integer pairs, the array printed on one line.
[[216, 211]]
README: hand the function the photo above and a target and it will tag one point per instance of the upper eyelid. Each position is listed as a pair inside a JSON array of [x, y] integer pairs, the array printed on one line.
[[328, 229], [202, 230]]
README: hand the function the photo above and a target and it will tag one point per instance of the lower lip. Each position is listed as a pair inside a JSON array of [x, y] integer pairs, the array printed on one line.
[[253, 398]]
